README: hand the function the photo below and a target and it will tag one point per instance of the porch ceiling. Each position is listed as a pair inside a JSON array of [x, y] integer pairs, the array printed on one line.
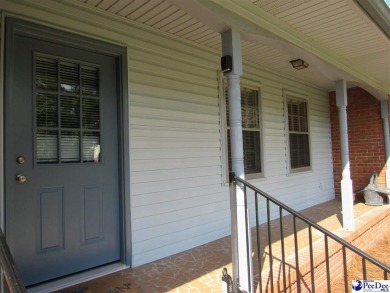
[[336, 37]]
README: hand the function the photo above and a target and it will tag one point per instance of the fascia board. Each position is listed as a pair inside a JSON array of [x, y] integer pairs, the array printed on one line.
[[249, 19], [379, 13]]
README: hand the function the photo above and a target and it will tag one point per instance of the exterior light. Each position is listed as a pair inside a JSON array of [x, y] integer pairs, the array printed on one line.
[[299, 64], [226, 63]]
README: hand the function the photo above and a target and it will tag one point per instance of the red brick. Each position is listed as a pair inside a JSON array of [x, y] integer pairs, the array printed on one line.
[[365, 138]]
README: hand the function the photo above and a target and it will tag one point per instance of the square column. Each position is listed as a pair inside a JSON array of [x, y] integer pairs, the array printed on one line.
[[241, 236], [346, 182], [385, 117]]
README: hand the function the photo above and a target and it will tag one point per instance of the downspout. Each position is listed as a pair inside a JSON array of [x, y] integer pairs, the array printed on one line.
[[242, 258], [385, 117]]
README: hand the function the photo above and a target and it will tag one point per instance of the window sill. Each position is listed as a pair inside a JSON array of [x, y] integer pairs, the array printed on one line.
[[298, 171], [252, 177], [255, 176]]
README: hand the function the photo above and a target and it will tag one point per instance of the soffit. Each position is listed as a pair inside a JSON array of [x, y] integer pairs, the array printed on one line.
[[161, 15], [337, 26]]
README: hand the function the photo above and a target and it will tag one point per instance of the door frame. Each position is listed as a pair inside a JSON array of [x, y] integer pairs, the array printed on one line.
[[12, 26]]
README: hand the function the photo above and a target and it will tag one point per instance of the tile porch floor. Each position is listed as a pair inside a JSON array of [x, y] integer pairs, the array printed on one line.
[[200, 269]]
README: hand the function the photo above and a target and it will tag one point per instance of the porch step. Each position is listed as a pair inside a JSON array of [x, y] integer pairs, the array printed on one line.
[[368, 227]]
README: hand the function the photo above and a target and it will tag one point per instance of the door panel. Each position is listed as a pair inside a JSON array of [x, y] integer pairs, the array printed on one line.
[[61, 117], [50, 217]]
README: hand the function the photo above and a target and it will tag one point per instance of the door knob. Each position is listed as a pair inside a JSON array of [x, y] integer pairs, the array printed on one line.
[[20, 178]]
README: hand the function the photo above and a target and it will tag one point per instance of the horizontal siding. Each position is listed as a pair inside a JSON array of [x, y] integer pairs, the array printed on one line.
[[168, 207], [178, 200], [167, 196], [178, 197], [298, 190], [169, 164], [188, 238]]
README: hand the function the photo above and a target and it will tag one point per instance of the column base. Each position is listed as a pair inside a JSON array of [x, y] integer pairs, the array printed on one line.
[[347, 205], [387, 177]]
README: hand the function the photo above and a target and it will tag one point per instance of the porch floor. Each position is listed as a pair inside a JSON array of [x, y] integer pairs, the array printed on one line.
[[200, 269]]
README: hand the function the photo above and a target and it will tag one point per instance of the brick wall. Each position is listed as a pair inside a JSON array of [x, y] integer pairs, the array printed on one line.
[[365, 135], [363, 238]]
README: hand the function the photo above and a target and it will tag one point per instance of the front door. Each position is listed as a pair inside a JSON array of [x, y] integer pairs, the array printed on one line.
[[61, 157]]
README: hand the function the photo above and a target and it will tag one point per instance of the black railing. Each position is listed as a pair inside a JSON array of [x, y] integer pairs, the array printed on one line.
[[321, 263], [13, 283]]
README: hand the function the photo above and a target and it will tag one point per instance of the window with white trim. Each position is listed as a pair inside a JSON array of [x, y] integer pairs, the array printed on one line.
[[298, 131], [251, 130]]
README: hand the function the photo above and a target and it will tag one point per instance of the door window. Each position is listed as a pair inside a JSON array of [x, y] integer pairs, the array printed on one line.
[[67, 111]]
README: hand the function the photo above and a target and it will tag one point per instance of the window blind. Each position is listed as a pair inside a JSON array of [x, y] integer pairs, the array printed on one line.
[[298, 133], [67, 118], [251, 130]]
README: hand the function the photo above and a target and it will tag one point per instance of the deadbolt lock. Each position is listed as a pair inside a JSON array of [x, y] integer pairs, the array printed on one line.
[[21, 160]]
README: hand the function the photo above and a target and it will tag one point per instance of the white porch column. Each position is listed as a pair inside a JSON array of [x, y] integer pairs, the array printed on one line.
[[386, 137], [231, 45], [346, 182]]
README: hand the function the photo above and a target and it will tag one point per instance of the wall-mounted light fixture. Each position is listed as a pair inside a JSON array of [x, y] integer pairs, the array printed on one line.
[[299, 64], [226, 63]]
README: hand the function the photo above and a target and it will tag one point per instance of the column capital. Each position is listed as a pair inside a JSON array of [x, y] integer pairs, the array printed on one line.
[[341, 93], [385, 109], [231, 45]]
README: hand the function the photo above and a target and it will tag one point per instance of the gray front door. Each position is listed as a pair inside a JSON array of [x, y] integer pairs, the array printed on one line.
[[61, 158]]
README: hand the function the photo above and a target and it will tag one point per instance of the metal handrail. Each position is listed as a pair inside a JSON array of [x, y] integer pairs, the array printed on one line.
[[327, 234], [8, 267]]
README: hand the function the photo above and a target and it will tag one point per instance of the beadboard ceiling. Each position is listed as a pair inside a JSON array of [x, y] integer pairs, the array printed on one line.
[[338, 31]]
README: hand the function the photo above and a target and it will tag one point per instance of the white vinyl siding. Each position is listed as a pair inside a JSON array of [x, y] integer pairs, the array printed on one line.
[[303, 189], [178, 199]]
